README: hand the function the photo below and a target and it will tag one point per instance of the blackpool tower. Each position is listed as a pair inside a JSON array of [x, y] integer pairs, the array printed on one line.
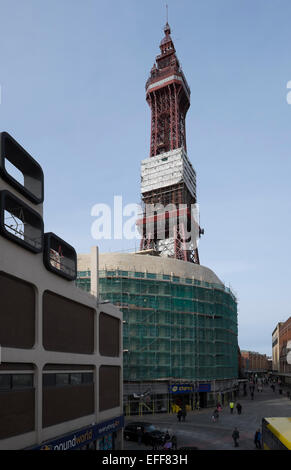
[[170, 222]]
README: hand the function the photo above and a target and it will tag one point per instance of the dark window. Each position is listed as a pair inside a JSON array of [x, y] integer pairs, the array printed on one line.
[[109, 335], [17, 319], [66, 379], [75, 379], [49, 380], [64, 403], [22, 381], [68, 326], [62, 379], [87, 378], [5, 381], [109, 387]]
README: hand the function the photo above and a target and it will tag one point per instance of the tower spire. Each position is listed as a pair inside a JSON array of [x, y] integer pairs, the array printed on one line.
[[168, 177]]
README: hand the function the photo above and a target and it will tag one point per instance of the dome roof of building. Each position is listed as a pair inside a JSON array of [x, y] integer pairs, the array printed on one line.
[[157, 265]]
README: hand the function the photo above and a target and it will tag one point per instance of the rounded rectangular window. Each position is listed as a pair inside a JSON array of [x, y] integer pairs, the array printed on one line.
[[109, 387], [20, 170], [109, 335]]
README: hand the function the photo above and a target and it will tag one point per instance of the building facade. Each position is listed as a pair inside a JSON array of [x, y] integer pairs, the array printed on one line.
[[180, 326], [281, 350], [254, 362], [276, 348], [61, 350], [285, 347]]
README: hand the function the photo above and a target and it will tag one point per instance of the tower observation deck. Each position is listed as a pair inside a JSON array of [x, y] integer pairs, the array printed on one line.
[[170, 222]]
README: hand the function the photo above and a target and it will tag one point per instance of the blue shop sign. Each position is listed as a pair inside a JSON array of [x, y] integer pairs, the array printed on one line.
[[83, 437], [188, 388], [204, 388], [180, 388]]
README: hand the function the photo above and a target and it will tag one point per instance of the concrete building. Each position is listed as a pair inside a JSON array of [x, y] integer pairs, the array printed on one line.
[[180, 327], [61, 350], [276, 348]]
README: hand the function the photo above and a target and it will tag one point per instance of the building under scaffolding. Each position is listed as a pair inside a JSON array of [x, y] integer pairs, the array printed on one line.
[[180, 323]]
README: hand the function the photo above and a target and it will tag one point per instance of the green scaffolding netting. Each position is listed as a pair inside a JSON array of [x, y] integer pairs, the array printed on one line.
[[173, 327]]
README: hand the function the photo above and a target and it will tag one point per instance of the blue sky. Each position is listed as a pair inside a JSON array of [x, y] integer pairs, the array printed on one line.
[[72, 76]]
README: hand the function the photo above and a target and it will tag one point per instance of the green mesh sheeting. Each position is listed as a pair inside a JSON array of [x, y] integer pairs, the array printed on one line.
[[84, 280], [173, 327]]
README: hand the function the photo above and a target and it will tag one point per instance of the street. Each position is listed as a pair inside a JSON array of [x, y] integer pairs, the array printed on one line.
[[198, 430]]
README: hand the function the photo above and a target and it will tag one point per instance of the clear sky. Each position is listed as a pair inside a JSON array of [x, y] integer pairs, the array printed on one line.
[[72, 76]]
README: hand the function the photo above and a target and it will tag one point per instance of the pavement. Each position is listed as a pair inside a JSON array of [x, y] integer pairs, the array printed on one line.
[[198, 430]]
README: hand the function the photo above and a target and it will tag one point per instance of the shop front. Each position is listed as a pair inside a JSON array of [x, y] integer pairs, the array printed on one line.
[[188, 397], [101, 436]]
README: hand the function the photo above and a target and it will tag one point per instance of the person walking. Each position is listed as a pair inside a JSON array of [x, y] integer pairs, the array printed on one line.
[[219, 407], [184, 414], [257, 439], [231, 406], [167, 437], [239, 408], [174, 442], [179, 415], [155, 443], [235, 436], [215, 415]]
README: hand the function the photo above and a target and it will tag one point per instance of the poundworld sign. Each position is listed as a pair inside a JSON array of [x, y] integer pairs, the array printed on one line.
[[85, 436]]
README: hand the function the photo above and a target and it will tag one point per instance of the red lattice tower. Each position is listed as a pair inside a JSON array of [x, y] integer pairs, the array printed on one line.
[[168, 176]]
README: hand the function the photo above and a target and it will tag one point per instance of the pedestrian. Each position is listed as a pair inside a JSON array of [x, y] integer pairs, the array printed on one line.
[[257, 439], [239, 408], [155, 443], [231, 406], [219, 407], [174, 442], [179, 415], [235, 436], [167, 437], [184, 414]]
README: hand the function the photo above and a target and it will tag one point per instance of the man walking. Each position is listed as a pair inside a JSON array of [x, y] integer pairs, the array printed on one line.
[[257, 439], [239, 408], [235, 436], [231, 406], [184, 414], [174, 442]]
